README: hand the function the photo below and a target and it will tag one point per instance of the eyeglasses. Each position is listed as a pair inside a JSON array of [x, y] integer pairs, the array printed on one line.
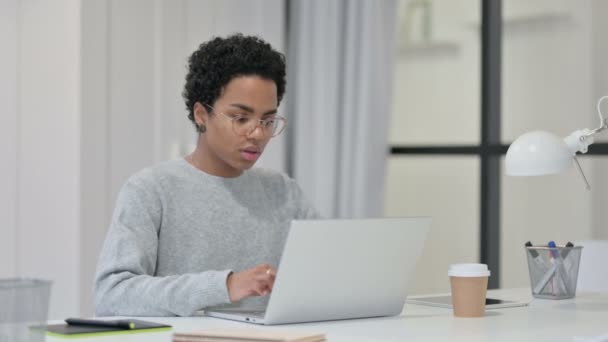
[[243, 125]]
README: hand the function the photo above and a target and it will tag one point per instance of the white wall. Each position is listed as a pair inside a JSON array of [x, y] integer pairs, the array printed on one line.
[[95, 151], [90, 93], [40, 152], [446, 189], [8, 137], [600, 88]]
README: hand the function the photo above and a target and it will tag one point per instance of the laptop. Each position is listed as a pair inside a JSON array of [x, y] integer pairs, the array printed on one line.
[[341, 269]]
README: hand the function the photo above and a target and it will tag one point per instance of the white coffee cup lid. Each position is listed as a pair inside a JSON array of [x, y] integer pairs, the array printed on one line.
[[468, 270]]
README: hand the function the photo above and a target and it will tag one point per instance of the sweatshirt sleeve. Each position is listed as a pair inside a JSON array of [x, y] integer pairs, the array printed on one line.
[[125, 281]]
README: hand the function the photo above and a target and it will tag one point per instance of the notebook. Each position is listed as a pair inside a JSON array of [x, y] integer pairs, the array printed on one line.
[[340, 269], [249, 335], [72, 331]]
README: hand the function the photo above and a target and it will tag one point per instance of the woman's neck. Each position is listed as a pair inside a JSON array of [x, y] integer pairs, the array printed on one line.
[[204, 161]]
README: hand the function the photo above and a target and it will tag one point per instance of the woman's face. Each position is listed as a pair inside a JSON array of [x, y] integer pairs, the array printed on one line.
[[227, 149]]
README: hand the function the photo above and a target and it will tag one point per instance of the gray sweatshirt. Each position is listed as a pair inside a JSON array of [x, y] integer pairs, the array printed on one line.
[[177, 232]]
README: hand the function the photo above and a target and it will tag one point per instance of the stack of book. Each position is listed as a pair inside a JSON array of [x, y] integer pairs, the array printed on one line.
[[246, 335]]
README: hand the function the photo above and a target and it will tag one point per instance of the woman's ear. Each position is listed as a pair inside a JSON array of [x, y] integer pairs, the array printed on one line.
[[200, 114]]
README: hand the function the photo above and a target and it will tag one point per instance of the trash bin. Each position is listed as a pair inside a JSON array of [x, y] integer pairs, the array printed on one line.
[[553, 271], [24, 307]]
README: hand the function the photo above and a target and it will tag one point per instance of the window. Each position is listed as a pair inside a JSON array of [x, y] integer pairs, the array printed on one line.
[[471, 77]]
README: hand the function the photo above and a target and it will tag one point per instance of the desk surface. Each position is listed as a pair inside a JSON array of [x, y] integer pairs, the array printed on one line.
[[543, 320]]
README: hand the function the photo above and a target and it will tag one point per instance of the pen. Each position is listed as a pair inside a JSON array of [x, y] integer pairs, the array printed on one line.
[[551, 244], [554, 274], [548, 276], [122, 324], [560, 271]]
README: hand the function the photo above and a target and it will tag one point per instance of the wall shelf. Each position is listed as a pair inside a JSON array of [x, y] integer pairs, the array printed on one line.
[[533, 20], [428, 49]]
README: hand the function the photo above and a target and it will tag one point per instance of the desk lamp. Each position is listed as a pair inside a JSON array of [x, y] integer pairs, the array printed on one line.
[[542, 153]]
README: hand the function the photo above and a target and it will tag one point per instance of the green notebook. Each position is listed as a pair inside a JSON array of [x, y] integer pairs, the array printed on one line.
[[79, 331]]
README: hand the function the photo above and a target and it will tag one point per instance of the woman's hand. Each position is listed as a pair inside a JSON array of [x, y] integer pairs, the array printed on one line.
[[256, 281]]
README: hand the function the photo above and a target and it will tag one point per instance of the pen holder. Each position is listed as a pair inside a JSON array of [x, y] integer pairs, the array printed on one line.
[[24, 305], [553, 271]]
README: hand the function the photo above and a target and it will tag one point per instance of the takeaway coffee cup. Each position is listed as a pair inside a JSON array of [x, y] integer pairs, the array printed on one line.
[[469, 283]]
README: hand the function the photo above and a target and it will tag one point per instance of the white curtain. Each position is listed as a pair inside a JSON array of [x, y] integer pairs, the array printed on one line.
[[340, 61]]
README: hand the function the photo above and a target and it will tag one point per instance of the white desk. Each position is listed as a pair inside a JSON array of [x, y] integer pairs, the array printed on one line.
[[543, 320]]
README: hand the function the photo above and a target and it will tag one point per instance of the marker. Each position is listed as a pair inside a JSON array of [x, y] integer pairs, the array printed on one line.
[[567, 250], [122, 324], [568, 262], [536, 257]]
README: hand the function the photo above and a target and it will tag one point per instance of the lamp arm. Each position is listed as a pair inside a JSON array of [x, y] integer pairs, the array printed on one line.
[[582, 173], [603, 121], [580, 140]]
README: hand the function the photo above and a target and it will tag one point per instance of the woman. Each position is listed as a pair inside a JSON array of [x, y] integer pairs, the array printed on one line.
[[207, 229]]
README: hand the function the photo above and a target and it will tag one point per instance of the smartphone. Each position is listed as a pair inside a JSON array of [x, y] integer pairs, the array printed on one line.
[[446, 302]]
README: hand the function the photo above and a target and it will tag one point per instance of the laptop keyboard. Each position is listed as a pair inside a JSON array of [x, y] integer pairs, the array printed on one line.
[[258, 314], [249, 313]]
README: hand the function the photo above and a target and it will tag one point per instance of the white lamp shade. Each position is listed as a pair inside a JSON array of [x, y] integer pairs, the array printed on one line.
[[537, 153]]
